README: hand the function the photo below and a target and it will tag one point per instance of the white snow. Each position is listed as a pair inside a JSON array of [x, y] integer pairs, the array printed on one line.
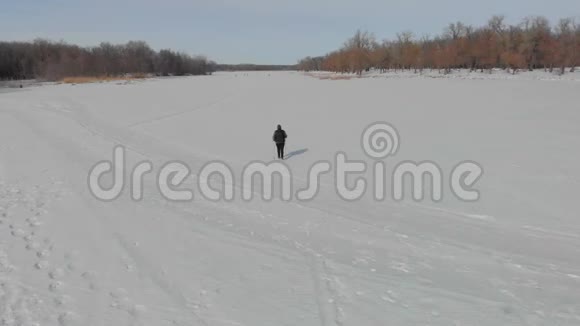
[[495, 74], [511, 258]]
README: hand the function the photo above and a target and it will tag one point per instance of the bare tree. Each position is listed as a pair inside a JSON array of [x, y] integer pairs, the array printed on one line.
[[565, 30], [358, 49]]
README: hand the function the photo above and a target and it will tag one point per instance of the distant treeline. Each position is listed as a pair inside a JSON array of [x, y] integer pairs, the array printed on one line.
[[48, 60], [253, 67], [532, 44]]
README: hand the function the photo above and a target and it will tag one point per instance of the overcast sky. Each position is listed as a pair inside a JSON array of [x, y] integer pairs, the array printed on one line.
[[253, 31]]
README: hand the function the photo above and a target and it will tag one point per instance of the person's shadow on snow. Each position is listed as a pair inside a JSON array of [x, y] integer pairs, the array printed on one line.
[[295, 153]]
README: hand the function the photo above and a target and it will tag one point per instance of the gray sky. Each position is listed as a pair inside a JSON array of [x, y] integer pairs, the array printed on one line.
[[253, 31]]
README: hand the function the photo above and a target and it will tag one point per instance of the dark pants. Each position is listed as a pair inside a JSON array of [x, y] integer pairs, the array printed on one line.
[[280, 148]]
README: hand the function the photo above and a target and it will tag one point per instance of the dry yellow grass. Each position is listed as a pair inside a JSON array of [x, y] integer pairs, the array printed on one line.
[[100, 79]]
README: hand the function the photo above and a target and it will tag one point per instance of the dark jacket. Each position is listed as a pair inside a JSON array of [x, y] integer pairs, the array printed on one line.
[[279, 136]]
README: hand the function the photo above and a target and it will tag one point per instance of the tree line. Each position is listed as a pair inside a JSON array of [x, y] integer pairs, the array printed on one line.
[[43, 59], [532, 44], [253, 67]]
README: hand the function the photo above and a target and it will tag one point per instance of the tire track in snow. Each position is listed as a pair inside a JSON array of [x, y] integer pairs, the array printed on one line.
[[330, 311], [175, 114]]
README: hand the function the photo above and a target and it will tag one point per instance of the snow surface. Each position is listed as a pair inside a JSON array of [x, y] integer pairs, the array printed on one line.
[[512, 258], [495, 74]]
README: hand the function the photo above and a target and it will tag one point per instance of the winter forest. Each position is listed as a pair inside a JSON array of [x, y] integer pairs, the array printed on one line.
[[532, 44], [48, 60]]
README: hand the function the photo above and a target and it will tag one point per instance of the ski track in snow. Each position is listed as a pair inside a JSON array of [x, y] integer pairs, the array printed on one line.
[[323, 262]]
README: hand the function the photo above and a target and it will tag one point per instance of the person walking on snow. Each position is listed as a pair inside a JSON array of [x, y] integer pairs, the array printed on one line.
[[280, 139]]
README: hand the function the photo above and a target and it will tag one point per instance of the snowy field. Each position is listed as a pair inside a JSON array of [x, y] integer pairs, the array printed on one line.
[[511, 258]]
